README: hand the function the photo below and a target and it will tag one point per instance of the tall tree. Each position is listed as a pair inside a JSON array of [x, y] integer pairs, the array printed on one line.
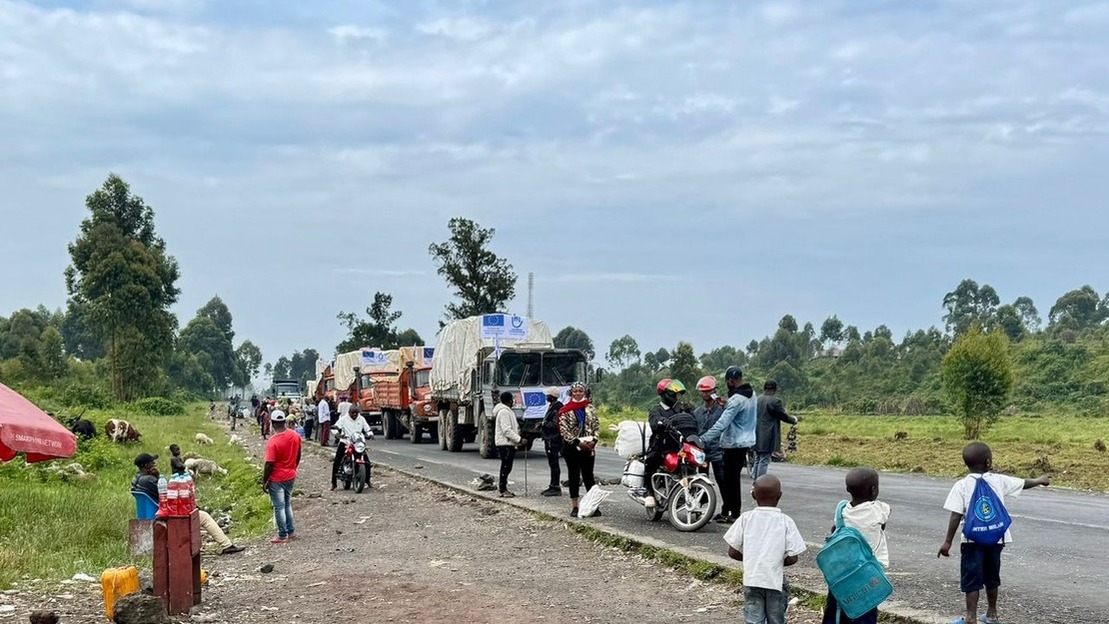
[[249, 358], [217, 310], [574, 338], [379, 330], [1077, 310], [1029, 315], [969, 303], [720, 358], [202, 335], [409, 338], [1008, 320], [81, 339], [120, 269], [623, 352], [483, 281], [683, 364], [51, 355], [831, 331]]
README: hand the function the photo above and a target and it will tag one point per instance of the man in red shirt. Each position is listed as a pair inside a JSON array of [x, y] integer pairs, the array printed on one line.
[[282, 460]]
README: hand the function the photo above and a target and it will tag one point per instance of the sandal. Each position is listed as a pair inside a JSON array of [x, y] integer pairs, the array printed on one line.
[[985, 620]]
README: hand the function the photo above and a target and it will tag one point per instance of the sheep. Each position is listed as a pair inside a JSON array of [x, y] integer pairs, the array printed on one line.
[[203, 439], [234, 439], [204, 466]]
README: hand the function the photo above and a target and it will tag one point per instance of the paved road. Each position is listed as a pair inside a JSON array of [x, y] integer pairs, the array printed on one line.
[[1053, 572]]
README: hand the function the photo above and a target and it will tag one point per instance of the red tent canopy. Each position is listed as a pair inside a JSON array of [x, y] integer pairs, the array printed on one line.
[[26, 429]]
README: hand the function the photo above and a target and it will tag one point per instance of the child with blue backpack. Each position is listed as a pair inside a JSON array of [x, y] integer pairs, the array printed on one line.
[[979, 498], [868, 515]]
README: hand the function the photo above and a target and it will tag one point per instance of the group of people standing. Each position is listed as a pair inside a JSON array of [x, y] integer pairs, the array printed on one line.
[[570, 433]]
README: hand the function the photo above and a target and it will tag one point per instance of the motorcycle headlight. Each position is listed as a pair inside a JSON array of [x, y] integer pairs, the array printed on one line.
[[428, 409], [360, 447], [699, 457]]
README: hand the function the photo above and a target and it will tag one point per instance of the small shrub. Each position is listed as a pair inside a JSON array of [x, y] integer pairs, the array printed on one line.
[[92, 396], [836, 460], [1099, 446], [158, 406], [889, 406], [901, 435], [1042, 464]]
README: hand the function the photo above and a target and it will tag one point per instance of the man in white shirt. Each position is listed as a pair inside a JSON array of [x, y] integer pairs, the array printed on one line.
[[765, 540], [324, 418], [348, 425]]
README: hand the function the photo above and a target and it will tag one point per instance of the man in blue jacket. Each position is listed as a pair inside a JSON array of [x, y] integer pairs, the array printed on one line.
[[735, 431]]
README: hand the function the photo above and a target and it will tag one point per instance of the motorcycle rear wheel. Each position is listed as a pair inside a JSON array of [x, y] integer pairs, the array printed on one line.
[[359, 478], [692, 508]]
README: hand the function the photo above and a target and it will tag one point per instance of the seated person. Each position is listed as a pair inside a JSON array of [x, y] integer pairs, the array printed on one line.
[[146, 481]]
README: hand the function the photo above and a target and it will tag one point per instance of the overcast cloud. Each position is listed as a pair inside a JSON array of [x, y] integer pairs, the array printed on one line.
[[672, 170]]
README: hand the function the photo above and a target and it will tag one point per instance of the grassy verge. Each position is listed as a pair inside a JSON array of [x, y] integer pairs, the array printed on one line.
[[1027, 445], [53, 526]]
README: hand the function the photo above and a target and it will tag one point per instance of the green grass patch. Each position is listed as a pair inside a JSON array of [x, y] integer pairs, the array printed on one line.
[[53, 526]]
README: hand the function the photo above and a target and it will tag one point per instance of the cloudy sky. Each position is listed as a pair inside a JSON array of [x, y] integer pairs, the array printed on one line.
[[673, 169]]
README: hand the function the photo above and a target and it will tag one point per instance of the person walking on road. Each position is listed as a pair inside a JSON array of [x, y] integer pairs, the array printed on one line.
[[577, 422], [768, 431], [309, 418], [735, 431], [282, 462], [552, 442], [323, 420], [507, 438]]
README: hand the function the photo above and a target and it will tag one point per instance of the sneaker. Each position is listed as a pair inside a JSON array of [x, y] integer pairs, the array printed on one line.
[[279, 540], [507, 494], [551, 491], [232, 549], [649, 502], [574, 512], [726, 519]]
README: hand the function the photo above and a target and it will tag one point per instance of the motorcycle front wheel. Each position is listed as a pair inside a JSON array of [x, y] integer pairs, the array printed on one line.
[[691, 508], [360, 478]]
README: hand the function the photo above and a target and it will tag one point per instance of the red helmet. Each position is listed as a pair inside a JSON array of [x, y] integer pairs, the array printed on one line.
[[670, 385], [661, 387], [706, 383]]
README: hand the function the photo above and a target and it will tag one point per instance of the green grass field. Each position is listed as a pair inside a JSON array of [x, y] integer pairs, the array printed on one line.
[[1024, 446], [52, 528]]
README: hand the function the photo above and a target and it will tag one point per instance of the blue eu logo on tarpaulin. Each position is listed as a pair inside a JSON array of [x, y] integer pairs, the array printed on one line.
[[429, 353], [493, 320], [535, 399]]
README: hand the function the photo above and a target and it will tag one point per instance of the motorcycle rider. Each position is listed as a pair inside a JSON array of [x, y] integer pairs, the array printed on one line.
[[671, 422], [735, 432], [348, 425]]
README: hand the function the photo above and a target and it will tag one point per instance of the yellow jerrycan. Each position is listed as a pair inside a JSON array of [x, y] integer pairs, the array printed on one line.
[[117, 583]]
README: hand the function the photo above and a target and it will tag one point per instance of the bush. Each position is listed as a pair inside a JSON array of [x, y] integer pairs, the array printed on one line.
[[158, 406], [92, 396]]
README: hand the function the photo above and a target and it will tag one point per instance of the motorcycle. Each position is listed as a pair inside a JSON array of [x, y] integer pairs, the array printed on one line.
[[355, 467], [681, 488]]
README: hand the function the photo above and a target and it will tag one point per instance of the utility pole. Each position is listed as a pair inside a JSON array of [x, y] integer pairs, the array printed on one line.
[[531, 295]]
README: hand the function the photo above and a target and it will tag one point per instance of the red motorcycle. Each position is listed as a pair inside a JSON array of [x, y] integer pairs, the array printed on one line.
[[682, 488], [355, 467]]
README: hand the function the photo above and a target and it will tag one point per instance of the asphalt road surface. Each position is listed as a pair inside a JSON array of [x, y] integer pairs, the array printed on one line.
[[1054, 571]]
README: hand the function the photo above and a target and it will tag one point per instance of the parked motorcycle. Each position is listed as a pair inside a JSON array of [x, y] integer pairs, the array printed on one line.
[[355, 467], [682, 489]]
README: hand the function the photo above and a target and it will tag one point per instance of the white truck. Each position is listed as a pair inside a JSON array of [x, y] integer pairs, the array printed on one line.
[[470, 371]]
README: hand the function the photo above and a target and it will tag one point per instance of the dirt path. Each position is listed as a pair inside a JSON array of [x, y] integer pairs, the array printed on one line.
[[412, 551]]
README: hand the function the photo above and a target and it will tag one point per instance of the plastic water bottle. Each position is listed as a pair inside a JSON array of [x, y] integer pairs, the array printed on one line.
[[190, 494], [172, 508], [185, 497], [163, 486]]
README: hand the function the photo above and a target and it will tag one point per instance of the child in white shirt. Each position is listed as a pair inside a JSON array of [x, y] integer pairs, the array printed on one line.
[[765, 540], [868, 515]]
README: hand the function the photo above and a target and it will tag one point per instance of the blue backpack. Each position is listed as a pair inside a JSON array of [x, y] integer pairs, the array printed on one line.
[[852, 572], [987, 519]]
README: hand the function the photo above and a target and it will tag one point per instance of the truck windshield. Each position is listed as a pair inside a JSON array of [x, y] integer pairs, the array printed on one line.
[[423, 378], [563, 369], [519, 369], [286, 387]]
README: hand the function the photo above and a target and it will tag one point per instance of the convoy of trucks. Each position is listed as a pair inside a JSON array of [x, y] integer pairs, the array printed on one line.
[[448, 392]]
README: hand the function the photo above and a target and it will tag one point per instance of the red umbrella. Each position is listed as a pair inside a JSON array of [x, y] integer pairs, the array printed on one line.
[[26, 429]]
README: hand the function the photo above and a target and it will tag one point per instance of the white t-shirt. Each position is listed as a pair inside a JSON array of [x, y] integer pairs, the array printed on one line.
[[765, 536], [349, 426], [324, 412], [958, 500], [343, 409], [868, 518]]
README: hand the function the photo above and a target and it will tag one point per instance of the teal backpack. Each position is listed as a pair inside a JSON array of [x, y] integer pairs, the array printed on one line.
[[853, 573]]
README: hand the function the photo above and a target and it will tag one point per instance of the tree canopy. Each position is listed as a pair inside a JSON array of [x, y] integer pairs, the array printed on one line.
[[482, 281]]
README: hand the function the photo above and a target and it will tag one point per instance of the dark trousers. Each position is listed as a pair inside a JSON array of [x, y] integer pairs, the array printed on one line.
[[735, 460], [830, 608], [340, 451], [651, 463], [309, 427], [508, 456], [325, 433], [553, 449], [579, 468]]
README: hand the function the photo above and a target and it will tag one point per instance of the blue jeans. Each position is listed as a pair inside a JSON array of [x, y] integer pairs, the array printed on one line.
[[762, 464], [281, 497], [765, 606]]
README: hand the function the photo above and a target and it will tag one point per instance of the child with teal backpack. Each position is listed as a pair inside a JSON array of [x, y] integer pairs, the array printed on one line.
[[980, 498], [867, 515]]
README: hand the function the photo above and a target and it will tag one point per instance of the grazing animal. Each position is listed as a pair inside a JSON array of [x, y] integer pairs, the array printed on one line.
[[119, 430], [234, 439], [191, 455], [84, 428], [203, 467], [203, 439]]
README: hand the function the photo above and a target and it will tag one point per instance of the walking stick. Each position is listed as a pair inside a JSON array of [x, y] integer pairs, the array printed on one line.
[[525, 470]]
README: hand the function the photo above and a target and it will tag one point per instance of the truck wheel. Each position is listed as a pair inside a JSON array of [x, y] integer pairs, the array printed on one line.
[[486, 438], [455, 435], [415, 433], [386, 428], [442, 429]]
